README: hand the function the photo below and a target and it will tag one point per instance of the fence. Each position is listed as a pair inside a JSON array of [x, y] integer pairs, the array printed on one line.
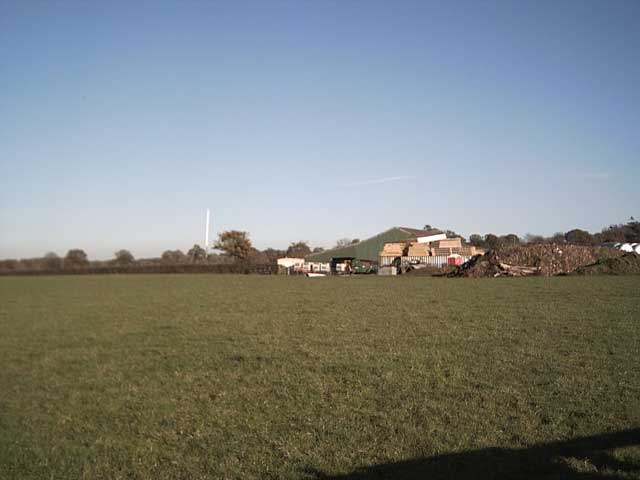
[[432, 260]]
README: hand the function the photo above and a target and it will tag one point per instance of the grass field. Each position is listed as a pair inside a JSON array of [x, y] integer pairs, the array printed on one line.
[[207, 376]]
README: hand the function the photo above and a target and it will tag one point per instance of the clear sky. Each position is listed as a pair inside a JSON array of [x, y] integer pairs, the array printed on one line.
[[121, 122]]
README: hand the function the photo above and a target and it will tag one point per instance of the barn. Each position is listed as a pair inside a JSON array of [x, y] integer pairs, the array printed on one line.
[[367, 251]]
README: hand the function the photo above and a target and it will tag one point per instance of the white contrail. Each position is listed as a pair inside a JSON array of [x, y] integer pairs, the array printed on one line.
[[377, 181]]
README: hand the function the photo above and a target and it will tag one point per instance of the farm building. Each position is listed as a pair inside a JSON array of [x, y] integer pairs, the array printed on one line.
[[287, 264], [367, 251], [436, 253]]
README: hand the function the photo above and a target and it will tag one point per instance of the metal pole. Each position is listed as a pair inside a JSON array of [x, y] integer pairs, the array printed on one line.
[[206, 234]]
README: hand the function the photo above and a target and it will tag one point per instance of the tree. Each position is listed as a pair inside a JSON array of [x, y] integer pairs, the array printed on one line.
[[9, 265], [234, 243], [476, 240], [217, 259], [629, 232], [354, 241], [491, 240], [318, 250], [298, 249], [197, 254], [532, 239], [557, 237], [632, 231], [273, 255], [124, 257], [32, 264], [76, 258], [343, 242], [452, 234], [255, 256], [578, 237], [509, 240], [427, 227], [52, 261], [173, 257]]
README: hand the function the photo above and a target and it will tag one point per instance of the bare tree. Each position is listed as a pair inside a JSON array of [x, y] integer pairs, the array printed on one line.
[[343, 242]]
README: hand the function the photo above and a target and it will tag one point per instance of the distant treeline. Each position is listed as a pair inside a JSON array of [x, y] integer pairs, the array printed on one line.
[[171, 261], [242, 268], [623, 233], [239, 256]]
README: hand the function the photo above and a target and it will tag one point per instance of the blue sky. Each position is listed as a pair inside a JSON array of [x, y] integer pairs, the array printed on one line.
[[121, 122]]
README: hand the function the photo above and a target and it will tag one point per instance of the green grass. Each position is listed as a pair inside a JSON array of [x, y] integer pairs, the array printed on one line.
[[627, 264], [205, 376]]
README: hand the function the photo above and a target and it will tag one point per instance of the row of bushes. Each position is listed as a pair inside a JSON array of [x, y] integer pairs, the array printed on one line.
[[242, 268]]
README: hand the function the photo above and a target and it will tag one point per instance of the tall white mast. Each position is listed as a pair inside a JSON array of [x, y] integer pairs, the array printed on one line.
[[206, 234]]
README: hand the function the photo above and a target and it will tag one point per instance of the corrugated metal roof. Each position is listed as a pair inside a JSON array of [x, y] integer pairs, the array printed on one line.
[[421, 233], [370, 248]]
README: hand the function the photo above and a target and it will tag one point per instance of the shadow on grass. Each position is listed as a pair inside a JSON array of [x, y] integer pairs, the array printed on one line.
[[578, 459]]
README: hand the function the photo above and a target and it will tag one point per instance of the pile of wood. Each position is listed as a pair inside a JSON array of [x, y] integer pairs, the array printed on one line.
[[526, 260], [412, 248], [418, 250], [491, 265], [516, 271], [392, 249]]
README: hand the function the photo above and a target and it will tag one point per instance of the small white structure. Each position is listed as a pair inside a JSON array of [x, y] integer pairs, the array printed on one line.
[[317, 267], [627, 247], [432, 238], [288, 262]]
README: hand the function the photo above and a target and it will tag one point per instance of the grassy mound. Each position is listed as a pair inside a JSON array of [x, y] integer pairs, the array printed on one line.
[[624, 265]]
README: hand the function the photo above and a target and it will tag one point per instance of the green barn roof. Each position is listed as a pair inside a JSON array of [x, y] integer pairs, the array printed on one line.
[[370, 248]]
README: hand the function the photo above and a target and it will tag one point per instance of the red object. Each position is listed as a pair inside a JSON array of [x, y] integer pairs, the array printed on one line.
[[454, 260]]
